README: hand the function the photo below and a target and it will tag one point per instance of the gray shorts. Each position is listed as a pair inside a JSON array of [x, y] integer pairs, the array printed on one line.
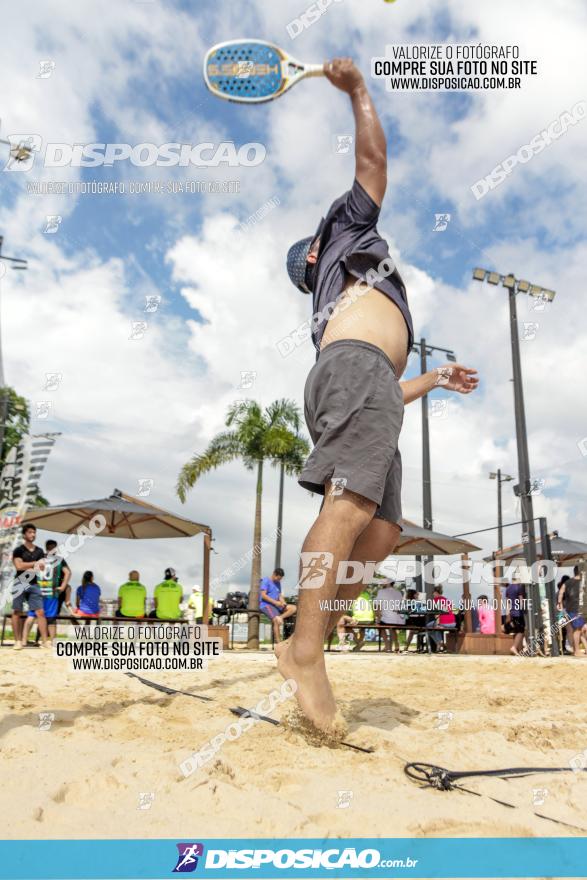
[[31, 594], [354, 410]]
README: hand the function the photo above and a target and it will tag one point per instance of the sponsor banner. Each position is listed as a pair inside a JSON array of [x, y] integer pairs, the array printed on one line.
[[273, 858]]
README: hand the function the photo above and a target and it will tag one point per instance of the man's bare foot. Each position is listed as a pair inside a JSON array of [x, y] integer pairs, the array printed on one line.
[[515, 652], [314, 694]]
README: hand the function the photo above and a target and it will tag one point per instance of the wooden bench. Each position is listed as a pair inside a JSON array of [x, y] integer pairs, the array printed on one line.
[[424, 630], [214, 631]]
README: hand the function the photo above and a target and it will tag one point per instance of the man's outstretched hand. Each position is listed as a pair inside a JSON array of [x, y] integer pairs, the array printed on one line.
[[455, 377], [344, 74]]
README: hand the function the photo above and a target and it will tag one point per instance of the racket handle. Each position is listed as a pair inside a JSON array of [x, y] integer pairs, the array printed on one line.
[[314, 70]]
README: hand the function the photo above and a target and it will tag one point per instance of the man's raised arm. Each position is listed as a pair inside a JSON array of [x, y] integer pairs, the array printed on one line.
[[370, 143]]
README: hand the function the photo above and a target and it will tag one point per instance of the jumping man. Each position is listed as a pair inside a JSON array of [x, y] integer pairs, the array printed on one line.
[[354, 402]]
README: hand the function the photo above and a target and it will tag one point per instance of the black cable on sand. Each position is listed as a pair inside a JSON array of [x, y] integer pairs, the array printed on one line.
[[167, 690], [431, 776], [237, 710], [244, 713]]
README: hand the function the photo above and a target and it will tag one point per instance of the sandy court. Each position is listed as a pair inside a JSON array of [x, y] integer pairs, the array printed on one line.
[[113, 739]]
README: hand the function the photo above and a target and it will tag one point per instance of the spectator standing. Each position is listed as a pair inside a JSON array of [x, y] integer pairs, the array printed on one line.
[[27, 558], [515, 621], [196, 605], [486, 616], [53, 579], [569, 599]]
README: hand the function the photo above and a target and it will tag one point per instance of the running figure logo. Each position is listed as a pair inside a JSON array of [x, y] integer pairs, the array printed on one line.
[[187, 860]]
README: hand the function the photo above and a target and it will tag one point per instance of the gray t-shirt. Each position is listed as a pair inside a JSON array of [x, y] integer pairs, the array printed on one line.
[[350, 243]]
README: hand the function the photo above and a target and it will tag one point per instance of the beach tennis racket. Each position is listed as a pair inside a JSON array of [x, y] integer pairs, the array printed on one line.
[[253, 71]]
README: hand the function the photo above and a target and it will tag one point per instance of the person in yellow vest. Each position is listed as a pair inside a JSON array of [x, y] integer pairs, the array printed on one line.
[[196, 605], [363, 615], [132, 597], [167, 596]]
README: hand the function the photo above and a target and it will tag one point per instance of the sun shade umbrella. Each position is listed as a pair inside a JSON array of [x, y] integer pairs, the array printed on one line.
[[418, 541], [126, 517], [564, 551]]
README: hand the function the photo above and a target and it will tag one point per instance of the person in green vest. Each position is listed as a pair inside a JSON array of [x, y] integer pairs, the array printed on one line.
[[167, 595], [131, 597], [196, 605], [363, 615]]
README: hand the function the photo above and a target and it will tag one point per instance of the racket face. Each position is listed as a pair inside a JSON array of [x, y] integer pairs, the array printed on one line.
[[248, 71]]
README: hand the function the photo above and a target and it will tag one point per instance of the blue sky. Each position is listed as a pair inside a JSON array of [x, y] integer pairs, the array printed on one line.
[[138, 409]]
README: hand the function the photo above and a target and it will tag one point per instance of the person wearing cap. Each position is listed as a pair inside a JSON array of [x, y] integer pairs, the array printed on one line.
[[362, 331], [167, 597], [196, 604]]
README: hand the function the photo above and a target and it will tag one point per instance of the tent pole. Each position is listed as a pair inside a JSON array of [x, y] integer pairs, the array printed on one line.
[[549, 586], [206, 577]]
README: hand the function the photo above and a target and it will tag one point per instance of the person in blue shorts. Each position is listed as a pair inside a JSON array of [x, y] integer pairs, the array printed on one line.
[[272, 603], [27, 560], [52, 581]]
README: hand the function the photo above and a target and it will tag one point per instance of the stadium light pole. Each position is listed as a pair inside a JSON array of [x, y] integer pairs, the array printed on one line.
[[501, 478], [16, 263], [425, 350], [524, 487]]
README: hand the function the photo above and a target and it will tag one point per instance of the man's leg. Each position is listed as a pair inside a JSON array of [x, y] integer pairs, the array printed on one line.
[[377, 542], [276, 624], [331, 539], [17, 629], [344, 638], [28, 625], [518, 642], [570, 637], [359, 637], [277, 621], [42, 624], [576, 643]]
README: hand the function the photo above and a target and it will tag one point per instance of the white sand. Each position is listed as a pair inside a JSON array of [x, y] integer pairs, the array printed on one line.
[[114, 738]]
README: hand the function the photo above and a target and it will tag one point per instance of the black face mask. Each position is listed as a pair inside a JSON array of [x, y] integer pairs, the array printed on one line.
[[310, 276]]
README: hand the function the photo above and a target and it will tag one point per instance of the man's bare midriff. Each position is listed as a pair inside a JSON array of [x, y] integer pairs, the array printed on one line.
[[369, 315]]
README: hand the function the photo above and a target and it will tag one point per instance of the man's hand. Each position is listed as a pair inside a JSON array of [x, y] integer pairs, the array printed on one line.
[[344, 74], [455, 377]]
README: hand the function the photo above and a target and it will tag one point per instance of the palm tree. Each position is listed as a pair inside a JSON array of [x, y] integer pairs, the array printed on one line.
[[290, 461], [255, 436]]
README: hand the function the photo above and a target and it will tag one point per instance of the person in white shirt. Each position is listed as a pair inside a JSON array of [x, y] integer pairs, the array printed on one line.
[[387, 609]]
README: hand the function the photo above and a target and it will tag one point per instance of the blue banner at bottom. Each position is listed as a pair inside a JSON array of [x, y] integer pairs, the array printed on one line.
[[269, 858]]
